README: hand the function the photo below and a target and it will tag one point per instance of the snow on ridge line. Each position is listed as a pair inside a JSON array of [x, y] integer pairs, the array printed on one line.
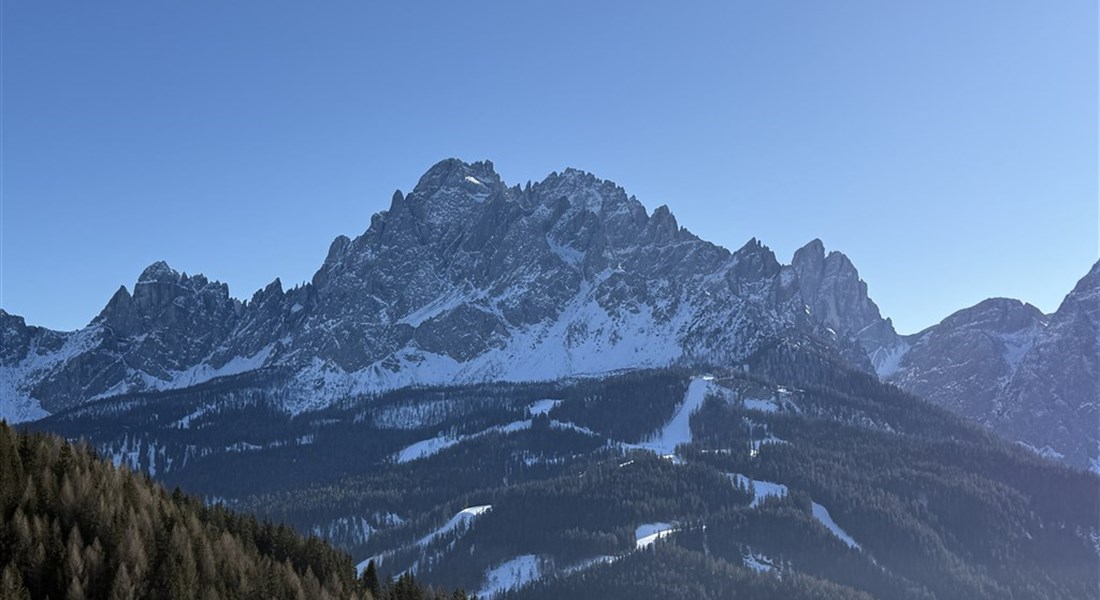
[[432, 446], [426, 448], [520, 571], [462, 517]]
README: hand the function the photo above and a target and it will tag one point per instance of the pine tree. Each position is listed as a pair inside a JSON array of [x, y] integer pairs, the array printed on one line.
[[123, 588], [370, 580], [11, 584]]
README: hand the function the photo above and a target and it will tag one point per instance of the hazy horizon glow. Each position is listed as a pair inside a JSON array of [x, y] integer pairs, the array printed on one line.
[[950, 150]]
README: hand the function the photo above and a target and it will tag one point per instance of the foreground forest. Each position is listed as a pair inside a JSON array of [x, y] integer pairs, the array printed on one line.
[[75, 526]]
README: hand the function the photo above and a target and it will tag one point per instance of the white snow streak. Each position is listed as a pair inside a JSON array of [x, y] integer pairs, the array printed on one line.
[[761, 489], [510, 575], [645, 535], [823, 515], [678, 430]]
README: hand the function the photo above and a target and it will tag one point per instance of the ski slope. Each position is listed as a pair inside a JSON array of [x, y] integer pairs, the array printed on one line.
[[678, 430]]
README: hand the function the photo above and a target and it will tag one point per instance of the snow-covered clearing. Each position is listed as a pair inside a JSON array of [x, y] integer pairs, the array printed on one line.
[[678, 430], [426, 448], [510, 575], [462, 518], [761, 489], [759, 563], [823, 515], [646, 534], [541, 407], [432, 446], [767, 406]]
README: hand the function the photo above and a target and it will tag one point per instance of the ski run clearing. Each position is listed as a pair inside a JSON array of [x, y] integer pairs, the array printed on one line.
[[524, 569], [823, 515], [462, 518], [763, 489], [645, 535], [510, 575], [430, 447], [678, 430]]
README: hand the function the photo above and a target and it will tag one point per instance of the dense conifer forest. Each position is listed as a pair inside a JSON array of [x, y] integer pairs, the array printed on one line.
[[921, 505], [76, 527]]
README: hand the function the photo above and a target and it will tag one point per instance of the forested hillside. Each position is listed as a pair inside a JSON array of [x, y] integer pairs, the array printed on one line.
[[789, 476], [75, 526]]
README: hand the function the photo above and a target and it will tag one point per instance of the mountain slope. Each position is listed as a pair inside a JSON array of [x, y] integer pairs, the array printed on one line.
[[795, 477], [467, 280], [1031, 377], [464, 279]]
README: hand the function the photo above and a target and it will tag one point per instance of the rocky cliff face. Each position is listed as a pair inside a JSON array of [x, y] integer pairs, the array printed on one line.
[[463, 279], [466, 279]]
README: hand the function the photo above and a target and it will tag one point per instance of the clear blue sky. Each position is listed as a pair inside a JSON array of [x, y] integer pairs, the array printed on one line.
[[949, 148]]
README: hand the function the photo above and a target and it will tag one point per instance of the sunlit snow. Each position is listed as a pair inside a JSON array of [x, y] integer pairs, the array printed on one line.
[[761, 489], [645, 535], [821, 514], [510, 575], [678, 430]]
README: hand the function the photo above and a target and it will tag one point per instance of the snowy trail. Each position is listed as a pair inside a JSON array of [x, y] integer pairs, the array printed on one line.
[[510, 575], [761, 489], [462, 517], [822, 515], [678, 429]]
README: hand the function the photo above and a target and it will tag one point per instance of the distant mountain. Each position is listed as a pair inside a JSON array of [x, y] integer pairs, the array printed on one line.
[[467, 280], [1031, 377], [463, 280], [549, 391]]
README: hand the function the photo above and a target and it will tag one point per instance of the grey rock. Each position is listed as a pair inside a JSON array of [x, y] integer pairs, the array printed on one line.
[[466, 279], [1034, 378]]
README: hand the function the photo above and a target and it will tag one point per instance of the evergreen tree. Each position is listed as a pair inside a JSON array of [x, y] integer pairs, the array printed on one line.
[[11, 584], [370, 580]]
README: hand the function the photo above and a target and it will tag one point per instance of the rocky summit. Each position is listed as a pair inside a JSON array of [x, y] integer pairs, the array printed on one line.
[[466, 279], [1034, 378]]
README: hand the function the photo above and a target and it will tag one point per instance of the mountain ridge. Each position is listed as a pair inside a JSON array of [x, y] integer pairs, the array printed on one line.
[[466, 279]]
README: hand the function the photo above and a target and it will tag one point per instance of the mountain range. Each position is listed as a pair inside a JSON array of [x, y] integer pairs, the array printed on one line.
[[466, 280]]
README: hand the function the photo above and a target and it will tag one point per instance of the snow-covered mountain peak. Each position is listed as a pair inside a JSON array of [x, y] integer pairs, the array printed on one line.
[[464, 279]]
